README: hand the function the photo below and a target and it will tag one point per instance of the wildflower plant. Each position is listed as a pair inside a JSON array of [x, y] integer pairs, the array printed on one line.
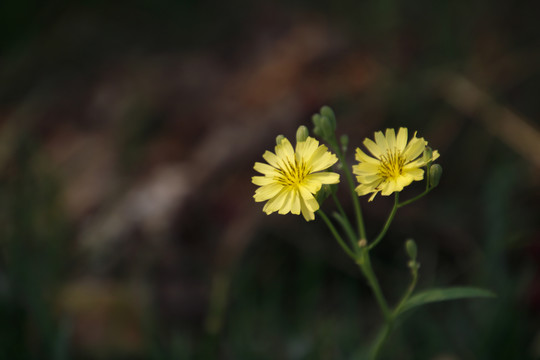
[[298, 181]]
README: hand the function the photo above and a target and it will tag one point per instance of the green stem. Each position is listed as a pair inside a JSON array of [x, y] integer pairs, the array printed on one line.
[[336, 234], [388, 222], [338, 205], [383, 335], [365, 264], [407, 202], [350, 182], [346, 225], [410, 289]]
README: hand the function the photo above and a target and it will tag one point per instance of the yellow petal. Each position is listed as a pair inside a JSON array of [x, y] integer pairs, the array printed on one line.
[[310, 201], [305, 149], [262, 180], [324, 177], [285, 151], [308, 214], [373, 196], [381, 141], [391, 139], [415, 147], [287, 203], [265, 169], [312, 185], [402, 181], [388, 187], [363, 157], [271, 158], [295, 203], [275, 203], [401, 140], [415, 173], [321, 159], [365, 169], [373, 148], [435, 155], [267, 192]]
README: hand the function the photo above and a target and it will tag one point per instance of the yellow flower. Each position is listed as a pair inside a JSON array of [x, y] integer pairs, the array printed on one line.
[[394, 165], [293, 176]]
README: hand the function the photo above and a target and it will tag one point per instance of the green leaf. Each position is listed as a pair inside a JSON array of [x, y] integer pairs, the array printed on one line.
[[444, 294]]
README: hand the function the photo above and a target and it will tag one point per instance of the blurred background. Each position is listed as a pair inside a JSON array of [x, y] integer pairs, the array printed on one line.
[[128, 133]]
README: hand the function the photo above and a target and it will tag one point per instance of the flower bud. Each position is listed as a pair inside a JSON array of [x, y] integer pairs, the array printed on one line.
[[327, 128], [317, 130], [428, 154], [329, 113], [279, 138], [325, 191], [435, 172], [302, 133], [410, 247], [344, 139]]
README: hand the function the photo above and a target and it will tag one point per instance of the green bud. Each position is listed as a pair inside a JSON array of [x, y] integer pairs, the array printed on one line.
[[344, 139], [325, 191], [410, 247], [428, 154], [317, 130], [279, 138], [326, 128], [435, 172], [329, 113], [302, 133], [413, 265]]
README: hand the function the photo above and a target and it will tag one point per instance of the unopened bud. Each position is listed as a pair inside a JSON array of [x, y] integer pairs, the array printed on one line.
[[344, 139], [362, 243], [435, 173], [279, 138], [329, 113], [324, 192], [428, 154], [327, 128], [410, 247], [317, 129], [302, 133]]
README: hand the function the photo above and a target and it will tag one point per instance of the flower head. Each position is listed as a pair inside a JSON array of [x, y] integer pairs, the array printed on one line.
[[395, 163], [293, 176]]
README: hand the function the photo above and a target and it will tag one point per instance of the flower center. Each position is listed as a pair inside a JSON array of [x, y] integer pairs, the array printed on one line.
[[292, 174], [391, 164]]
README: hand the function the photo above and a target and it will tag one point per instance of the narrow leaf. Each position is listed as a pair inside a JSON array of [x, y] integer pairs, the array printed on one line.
[[444, 294]]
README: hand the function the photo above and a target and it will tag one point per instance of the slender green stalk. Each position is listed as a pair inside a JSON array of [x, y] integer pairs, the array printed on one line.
[[410, 289], [386, 330], [381, 338], [388, 222], [338, 205], [336, 235], [350, 182], [346, 225], [407, 202], [365, 264]]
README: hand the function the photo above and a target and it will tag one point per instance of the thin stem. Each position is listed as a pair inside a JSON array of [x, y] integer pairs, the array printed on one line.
[[410, 289], [407, 202], [383, 335], [350, 182], [365, 264], [346, 225], [338, 205], [388, 222], [336, 234]]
